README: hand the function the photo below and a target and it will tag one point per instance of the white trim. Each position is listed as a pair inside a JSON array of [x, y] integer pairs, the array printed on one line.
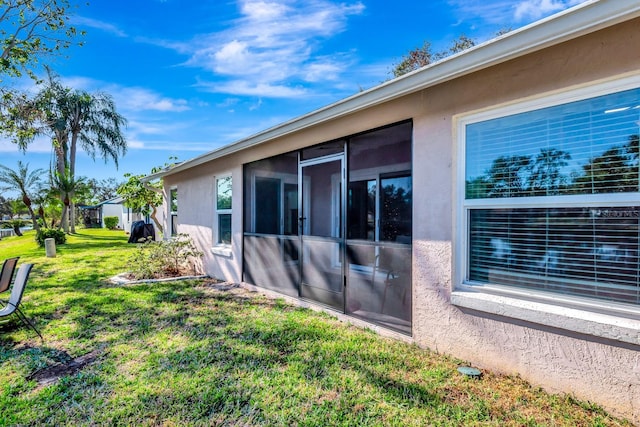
[[222, 250], [583, 19], [585, 321], [219, 248], [616, 321]]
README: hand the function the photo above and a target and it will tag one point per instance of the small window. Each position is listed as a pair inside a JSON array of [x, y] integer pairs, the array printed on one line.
[[174, 211], [223, 210]]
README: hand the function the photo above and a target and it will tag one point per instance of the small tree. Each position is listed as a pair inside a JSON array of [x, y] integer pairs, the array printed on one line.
[[144, 197], [424, 55], [25, 182]]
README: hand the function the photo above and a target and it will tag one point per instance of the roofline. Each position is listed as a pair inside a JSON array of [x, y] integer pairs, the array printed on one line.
[[582, 19]]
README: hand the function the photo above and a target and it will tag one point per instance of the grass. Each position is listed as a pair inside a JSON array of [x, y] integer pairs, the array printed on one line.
[[187, 353]]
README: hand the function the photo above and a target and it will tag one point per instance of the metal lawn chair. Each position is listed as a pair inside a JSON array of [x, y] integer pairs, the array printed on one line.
[[13, 306], [8, 267]]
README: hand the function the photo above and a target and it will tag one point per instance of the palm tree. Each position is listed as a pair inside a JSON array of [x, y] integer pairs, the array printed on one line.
[[25, 182], [66, 185], [97, 127], [72, 119]]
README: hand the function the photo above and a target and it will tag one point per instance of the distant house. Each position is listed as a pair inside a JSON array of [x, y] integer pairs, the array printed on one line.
[[93, 216], [486, 206]]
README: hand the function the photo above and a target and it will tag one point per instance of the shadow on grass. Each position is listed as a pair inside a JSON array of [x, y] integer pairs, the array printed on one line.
[[183, 353]]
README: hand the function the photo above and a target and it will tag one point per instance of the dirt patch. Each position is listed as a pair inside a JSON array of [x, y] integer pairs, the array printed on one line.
[[124, 279], [221, 286], [50, 374]]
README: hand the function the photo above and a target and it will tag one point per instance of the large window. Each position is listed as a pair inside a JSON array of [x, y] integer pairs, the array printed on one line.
[[551, 201], [223, 210]]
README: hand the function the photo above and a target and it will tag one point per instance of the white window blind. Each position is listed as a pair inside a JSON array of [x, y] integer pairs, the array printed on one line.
[[568, 161]]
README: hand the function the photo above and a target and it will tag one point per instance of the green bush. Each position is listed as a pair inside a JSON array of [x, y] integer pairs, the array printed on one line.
[[111, 222], [46, 233], [164, 258]]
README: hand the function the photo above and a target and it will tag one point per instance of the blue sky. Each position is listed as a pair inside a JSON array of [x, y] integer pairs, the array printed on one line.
[[191, 76]]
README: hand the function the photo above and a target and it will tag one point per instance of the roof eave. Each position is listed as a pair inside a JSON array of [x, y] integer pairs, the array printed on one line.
[[572, 23]]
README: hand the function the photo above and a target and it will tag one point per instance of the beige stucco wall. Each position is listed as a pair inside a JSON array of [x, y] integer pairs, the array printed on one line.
[[606, 372]]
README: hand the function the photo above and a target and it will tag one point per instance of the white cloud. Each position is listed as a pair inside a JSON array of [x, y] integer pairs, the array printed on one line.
[[508, 12], [256, 106], [94, 23], [536, 9], [249, 88], [137, 99], [129, 98], [273, 43]]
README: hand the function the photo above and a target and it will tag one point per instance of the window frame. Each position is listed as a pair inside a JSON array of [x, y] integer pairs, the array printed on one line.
[[530, 304], [218, 245], [173, 214]]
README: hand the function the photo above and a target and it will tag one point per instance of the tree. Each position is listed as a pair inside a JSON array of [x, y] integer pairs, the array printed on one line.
[[31, 29], [72, 119], [25, 182], [140, 197], [5, 208], [423, 56], [546, 176], [144, 197], [507, 176], [66, 185], [103, 189], [615, 170]]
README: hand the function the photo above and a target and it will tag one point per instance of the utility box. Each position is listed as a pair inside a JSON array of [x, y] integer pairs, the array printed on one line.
[[50, 247]]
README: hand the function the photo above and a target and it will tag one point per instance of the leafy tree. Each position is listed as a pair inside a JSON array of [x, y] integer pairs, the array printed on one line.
[[5, 208], [424, 55], [50, 207], [103, 189], [72, 119], [31, 29], [546, 177], [25, 182], [140, 197], [614, 170], [414, 59], [507, 176], [144, 197]]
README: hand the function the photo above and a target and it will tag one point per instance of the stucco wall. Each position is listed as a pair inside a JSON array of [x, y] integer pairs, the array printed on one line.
[[196, 216], [602, 371]]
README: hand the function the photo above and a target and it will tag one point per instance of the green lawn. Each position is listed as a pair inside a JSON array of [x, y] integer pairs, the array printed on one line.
[[188, 353]]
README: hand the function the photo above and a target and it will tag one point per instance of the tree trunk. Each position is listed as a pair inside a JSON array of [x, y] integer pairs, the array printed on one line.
[[16, 229], [72, 217], [64, 220], [155, 219], [36, 226], [27, 202], [72, 175]]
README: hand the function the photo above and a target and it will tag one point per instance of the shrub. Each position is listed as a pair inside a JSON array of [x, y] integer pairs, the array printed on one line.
[[111, 222], [164, 258], [46, 233]]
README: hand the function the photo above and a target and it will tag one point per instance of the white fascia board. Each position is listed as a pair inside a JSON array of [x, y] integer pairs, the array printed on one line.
[[583, 19]]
